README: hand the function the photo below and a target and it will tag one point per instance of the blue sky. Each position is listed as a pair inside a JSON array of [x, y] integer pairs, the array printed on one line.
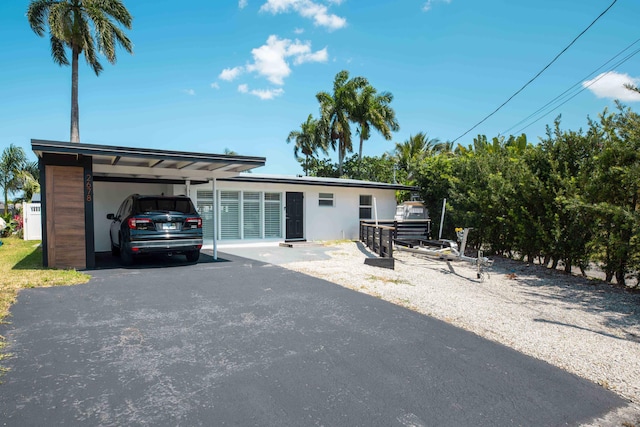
[[241, 74]]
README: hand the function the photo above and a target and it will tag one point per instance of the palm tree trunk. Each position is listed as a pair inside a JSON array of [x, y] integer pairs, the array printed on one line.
[[361, 142], [75, 111], [340, 156]]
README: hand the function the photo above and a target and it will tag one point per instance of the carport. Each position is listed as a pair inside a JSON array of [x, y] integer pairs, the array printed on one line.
[[81, 183]]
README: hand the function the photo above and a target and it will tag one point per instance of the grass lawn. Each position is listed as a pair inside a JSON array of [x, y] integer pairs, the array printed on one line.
[[21, 267]]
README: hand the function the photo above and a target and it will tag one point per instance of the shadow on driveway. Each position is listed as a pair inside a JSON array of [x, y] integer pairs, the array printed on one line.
[[242, 342]]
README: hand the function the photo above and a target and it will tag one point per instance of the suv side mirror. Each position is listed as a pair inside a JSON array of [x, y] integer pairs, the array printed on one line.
[[111, 216]]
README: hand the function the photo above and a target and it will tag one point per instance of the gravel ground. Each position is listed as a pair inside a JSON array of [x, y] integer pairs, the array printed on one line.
[[583, 326]]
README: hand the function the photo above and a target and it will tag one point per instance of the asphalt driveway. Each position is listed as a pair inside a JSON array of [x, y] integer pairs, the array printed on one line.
[[241, 342]]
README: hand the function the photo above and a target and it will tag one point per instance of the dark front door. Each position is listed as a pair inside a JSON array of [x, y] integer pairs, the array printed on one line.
[[294, 216]]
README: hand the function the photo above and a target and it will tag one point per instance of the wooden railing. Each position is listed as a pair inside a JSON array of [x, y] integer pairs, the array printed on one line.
[[410, 229], [378, 238]]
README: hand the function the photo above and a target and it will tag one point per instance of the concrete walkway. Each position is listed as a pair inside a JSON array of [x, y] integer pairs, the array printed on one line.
[[240, 342]]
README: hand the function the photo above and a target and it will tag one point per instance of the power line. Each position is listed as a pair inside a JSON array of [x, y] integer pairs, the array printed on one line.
[[579, 83], [583, 89], [539, 73]]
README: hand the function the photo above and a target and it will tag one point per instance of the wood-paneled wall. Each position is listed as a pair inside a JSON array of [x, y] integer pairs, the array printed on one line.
[[66, 243]]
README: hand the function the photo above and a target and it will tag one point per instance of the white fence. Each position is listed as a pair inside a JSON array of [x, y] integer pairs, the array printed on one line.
[[32, 219]]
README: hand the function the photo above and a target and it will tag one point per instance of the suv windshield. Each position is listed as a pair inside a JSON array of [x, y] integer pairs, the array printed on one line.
[[172, 204]]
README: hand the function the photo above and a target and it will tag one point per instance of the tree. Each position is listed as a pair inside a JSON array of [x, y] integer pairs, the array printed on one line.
[[307, 141], [73, 24], [335, 113], [372, 110], [409, 153], [632, 87], [613, 192], [12, 163]]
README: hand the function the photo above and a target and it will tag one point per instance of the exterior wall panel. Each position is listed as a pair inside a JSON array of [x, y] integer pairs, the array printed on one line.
[[320, 222], [66, 244]]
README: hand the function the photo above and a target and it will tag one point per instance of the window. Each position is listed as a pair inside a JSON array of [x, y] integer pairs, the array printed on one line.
[[251, 215], [325, 199], [204, 205], [229, 215], [366, 203], [272, 215]]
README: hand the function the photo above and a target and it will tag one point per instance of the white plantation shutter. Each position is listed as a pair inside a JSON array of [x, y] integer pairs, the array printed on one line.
[[229, 215], [204, 205], [251, 215], [272, 215]]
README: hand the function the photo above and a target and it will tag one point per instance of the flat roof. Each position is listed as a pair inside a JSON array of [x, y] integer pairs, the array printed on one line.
[[312, 180], [147, 163]]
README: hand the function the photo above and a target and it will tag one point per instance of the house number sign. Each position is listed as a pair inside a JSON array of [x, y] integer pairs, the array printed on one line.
[[88, 187]]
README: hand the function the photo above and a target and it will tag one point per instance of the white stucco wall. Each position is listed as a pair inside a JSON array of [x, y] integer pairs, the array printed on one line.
[[107, 197], [340, 221]]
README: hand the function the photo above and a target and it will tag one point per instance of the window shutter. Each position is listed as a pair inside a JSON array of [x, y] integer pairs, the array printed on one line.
[[272, 215], [204, 205], [251, 215], [229, 215]]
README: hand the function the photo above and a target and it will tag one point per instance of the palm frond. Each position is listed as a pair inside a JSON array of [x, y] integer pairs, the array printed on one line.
[[58, 52]]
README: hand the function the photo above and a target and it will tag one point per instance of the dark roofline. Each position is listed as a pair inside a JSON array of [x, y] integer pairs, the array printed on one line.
[[60, 147], [334, 182]]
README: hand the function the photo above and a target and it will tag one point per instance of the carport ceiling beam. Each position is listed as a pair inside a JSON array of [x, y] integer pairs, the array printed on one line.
[[214, 166], [154, 163], [115, 160], [155, 172], [183, 165]]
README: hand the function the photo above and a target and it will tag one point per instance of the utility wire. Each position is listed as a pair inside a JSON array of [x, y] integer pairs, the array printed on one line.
[[562, 95], [583, 89], [539, 73]]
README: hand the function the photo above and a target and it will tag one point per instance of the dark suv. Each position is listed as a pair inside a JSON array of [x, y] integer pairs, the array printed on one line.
[[156, 224]]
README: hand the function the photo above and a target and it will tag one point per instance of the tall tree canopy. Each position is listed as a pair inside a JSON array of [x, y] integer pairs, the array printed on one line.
[[335, 112], [307, 141], [354, 100], [73, 24], [372, 110], [12, 164]]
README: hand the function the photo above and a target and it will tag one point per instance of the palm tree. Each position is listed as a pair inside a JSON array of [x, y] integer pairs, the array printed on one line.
[[308, 141], [29, 178], [12, 163], [415, 148], [335, 112], [372, 110], [73, 24]]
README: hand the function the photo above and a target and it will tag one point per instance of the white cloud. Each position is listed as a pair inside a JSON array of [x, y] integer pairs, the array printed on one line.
[[318, 56], [429, 4], [319, 13], [189, 92], [270, 59], [267, 93], [242, 4], [611, 85], [273, 61], [215, 85], [230, 74], [264, 94], [298, 30]]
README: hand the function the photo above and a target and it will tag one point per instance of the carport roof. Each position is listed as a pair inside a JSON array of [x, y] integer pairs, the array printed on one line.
[[146, 163]]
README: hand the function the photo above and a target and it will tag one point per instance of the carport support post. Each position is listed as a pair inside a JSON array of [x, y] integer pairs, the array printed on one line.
[[215, 220]]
